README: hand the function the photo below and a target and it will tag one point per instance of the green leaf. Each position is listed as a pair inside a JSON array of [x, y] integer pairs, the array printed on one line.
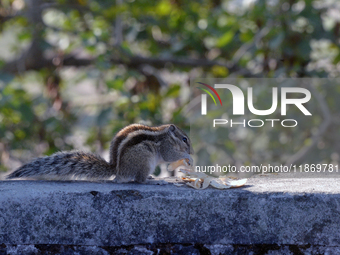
[[116, 84], [336, 59], [225, 39], [24, 35], [173, 91], [164, 7]]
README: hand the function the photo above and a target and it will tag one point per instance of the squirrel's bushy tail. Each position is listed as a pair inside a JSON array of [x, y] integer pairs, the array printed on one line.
[[64, 165]]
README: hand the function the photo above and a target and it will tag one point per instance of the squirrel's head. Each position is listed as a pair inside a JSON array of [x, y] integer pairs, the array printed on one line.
[[179, 139]]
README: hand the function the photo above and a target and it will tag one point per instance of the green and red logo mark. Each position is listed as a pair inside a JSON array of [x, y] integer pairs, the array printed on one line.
[[208, 92]]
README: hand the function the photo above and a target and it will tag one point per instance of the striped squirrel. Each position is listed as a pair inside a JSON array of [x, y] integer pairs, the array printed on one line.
[[135, 151]]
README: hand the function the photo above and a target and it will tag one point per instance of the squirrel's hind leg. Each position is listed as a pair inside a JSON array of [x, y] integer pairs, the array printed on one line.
[[142, 176], [137, 163]]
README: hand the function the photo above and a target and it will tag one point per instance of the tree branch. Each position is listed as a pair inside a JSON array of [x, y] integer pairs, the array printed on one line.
[[132, 61], [4, 18]]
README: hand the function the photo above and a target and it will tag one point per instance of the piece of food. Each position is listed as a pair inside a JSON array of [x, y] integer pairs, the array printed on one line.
[[206, 182], [219, 184], [195, 185], [186, 179], [183, 162], [236, 183], [194, 174], [198, 180]]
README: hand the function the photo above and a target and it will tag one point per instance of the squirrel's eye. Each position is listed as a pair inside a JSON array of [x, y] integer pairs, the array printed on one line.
[[185, 139]]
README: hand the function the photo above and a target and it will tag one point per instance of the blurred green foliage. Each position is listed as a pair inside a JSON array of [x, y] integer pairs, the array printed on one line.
[[96, 66]]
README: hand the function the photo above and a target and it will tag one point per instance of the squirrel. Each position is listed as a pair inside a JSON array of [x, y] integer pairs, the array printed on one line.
[[135, 151]]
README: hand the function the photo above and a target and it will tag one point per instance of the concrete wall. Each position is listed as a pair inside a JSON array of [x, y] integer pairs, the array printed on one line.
[[268, 216]]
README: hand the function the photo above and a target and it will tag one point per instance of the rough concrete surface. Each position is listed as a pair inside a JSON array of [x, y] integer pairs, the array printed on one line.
[[267, 216]]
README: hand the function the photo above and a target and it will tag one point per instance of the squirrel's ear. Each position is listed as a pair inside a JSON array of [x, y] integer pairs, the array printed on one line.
[[172, 128]]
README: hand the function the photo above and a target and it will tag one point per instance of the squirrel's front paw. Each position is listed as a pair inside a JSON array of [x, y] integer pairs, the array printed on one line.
[[190, 161], [186, 162]]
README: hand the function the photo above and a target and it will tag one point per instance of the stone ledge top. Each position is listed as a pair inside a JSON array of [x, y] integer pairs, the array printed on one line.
[[259, 184]]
